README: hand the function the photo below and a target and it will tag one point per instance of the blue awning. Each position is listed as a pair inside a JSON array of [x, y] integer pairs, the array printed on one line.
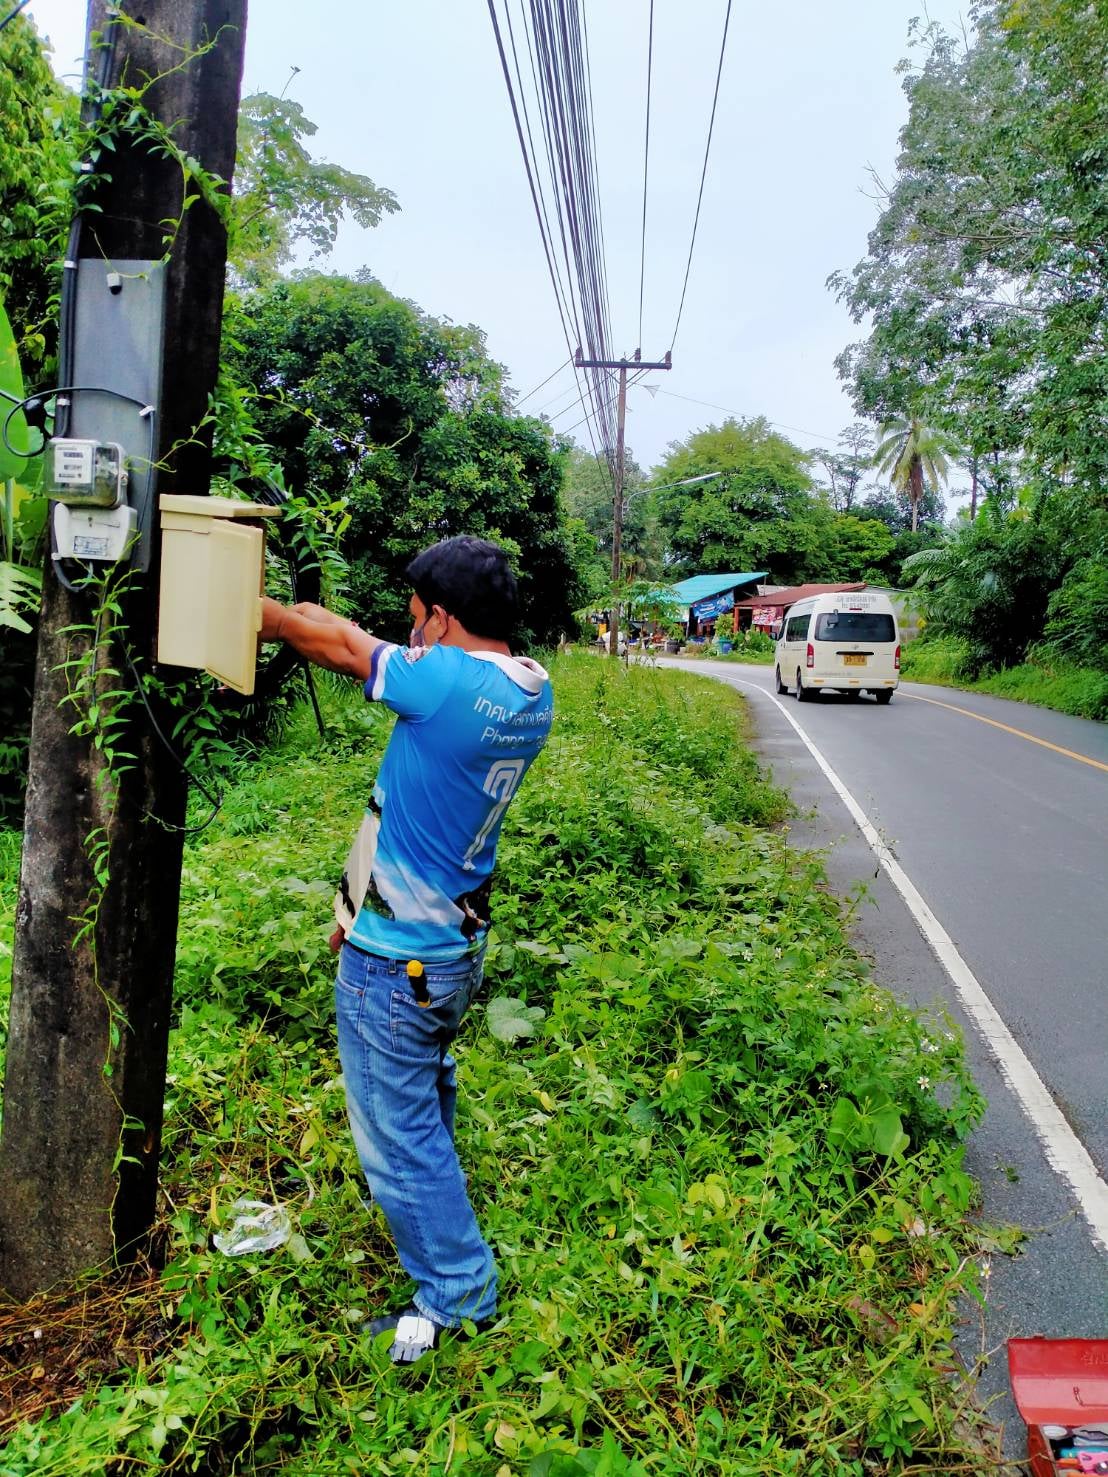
[[700, 587]]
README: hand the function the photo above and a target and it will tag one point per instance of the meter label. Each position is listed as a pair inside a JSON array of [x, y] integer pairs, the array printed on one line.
[[73, 464]]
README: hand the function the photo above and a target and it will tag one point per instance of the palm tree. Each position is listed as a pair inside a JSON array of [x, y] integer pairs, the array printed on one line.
[[911, 455]]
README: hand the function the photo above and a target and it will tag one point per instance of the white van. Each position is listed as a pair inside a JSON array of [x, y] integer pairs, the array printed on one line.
[[847, 642]]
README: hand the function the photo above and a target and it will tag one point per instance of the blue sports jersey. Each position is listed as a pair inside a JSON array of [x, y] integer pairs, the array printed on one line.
[[468, 726]]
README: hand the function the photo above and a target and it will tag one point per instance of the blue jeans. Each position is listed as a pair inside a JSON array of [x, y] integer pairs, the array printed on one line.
[[400, 1095]]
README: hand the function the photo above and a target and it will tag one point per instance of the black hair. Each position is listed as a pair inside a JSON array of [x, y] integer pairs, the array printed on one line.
[[472, 580]]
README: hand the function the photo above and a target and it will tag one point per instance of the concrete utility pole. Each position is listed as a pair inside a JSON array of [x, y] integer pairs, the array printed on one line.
[[86, 1059], [623, 365]]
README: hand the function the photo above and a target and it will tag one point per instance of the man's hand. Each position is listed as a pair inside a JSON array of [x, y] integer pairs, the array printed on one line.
[[337, 939], [320, 614], [322, 637], [274, 615]]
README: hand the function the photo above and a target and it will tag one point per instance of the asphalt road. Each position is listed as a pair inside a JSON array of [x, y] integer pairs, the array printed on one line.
[[1002, 827]]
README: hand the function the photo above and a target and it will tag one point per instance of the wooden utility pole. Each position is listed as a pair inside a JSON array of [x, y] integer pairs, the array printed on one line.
[[623, 365], [86, 1058]]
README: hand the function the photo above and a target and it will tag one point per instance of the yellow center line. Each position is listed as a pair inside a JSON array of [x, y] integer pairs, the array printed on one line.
[[1019, 733]]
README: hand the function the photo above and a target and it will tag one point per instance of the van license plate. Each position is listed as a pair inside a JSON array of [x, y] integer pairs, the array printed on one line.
[[854, 659]]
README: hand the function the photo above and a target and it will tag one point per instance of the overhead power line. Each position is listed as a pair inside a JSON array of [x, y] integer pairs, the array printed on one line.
[[568, 431], [533, 179], [576, 389], [23, 4], [711, 405], [566, 104], [546, 381], [549, 81], [646, 162], [703, 175]]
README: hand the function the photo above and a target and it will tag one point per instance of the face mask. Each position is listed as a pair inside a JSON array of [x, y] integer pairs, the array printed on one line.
[[416, 639]]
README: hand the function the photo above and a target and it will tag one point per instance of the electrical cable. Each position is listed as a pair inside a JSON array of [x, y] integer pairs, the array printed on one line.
[[67, 314], [566, 113], [146, 410], [527, 164], [10, 17], [556, 158], [634, 380], [586, 221], [646, 162], [17, 406], [564, 298], [565, 155], [529, 393], [711, 405], [216, 802], [572, 406], [575, 390], [703, 175], [591, 119]]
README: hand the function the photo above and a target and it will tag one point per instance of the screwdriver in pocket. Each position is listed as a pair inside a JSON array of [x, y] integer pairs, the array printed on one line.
[[419, 983]]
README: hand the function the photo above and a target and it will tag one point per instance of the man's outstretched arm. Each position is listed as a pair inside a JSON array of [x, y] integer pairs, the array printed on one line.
[[323, 638]]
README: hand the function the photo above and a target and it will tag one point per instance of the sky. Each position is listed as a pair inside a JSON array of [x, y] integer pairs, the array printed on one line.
[[411, 94]]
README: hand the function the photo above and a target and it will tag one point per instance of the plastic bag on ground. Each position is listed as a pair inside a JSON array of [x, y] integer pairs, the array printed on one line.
[[256, 1227]]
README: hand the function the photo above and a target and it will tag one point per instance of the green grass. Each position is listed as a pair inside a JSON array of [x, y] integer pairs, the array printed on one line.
[[741, 657], [1047, 683], [756, 649], [704, 1176]]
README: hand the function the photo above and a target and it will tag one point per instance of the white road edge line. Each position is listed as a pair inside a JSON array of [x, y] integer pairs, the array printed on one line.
[[1065, 1152]]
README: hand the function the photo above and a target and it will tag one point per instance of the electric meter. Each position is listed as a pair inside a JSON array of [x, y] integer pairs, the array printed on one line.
[[86, 474]]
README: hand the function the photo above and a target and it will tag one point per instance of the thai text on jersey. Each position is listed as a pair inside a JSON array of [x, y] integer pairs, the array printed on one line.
[[470, 723]]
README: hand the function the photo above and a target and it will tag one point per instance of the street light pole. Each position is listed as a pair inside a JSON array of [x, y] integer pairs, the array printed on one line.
[[623, 365]]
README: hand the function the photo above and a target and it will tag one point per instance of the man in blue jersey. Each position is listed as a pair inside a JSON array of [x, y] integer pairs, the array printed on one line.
[[470, 719]]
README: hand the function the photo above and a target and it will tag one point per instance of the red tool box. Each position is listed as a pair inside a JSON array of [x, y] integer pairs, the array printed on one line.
[[1061, 1389]]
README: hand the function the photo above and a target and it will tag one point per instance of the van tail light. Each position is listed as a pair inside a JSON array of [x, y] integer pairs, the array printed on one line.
[[811, 657], [896, 658]]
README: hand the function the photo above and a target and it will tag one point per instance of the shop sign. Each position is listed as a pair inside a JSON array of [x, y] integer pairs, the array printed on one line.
[[707, 610]]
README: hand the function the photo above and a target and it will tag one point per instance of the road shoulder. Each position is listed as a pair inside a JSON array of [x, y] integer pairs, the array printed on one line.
[[1057, 1283]]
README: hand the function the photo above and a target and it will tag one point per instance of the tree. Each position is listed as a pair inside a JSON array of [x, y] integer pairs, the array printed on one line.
[[863, 548], [588, 493], [847, 464], [37, 119], [986, 280], [989, 584], [757, 513], [913, 457], [283, 196], [895, 511], [369, 402]]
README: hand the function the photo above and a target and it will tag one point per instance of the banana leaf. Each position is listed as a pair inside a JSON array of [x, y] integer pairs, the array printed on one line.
[[19, 437]]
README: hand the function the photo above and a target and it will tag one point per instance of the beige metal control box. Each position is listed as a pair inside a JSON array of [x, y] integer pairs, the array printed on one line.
[[213, 574]]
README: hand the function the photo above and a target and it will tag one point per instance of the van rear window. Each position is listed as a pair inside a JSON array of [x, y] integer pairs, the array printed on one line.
[[855, 625]]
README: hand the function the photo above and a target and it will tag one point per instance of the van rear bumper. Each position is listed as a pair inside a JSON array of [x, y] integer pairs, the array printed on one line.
[[844, 684]]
